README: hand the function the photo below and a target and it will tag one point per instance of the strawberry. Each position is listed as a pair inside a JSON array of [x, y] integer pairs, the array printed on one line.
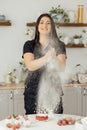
[[9, 125], [8, 117], [59, 123], [17, 126]]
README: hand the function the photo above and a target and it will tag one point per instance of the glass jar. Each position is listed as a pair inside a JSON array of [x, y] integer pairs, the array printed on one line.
[[72, 16]]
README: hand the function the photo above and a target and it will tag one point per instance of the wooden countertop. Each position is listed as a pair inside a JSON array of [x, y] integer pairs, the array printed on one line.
[[21, 85], [13, 86], [76, 85]]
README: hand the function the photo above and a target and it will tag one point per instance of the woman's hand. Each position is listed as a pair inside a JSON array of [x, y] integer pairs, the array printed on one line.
[[50, 55], [57, 62]]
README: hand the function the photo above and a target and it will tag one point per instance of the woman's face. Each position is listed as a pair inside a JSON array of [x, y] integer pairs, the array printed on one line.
[[44, 26]]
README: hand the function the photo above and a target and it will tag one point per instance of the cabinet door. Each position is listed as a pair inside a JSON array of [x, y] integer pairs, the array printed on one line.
[[6, 103], [19, 102], [72, 100], [84, 102]]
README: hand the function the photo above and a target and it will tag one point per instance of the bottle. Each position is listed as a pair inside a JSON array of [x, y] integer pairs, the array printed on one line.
[[80, 13]]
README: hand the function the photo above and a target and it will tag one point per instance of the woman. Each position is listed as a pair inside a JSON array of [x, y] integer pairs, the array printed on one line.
[[37, 54]]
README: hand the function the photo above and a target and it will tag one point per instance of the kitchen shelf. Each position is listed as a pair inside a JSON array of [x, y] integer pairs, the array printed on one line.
[[5, 23], [63, 24], [72, 45], [31, 24], [72, 24]]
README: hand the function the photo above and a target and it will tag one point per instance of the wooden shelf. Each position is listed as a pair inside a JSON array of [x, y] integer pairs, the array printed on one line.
[[63, 24], [72, 45], [5, 23], [31, 24], [72, 24]]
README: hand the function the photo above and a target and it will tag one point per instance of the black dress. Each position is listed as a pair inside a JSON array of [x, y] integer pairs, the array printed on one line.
[[33, 78]]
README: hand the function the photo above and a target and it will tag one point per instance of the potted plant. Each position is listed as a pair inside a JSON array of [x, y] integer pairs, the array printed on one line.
[[59, 14], [11, 76], [30, 33], [77, 38]]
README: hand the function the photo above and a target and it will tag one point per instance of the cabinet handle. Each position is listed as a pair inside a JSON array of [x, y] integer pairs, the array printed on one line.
[[11, 96], [84, 92]]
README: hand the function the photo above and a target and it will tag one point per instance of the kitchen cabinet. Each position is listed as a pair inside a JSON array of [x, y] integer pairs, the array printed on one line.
[[75, 99], [6, 103], [18, 102], [72, 100], [84, 99], [11, 102]]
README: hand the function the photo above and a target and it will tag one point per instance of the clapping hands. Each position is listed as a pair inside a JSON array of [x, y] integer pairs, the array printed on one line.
[[51, 55]]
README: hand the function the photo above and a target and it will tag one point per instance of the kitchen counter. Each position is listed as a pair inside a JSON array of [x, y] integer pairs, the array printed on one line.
[[21, 85], [12, 86], [76, 85]]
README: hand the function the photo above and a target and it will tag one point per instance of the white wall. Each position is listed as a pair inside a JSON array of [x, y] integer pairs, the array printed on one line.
[[13, 37]]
